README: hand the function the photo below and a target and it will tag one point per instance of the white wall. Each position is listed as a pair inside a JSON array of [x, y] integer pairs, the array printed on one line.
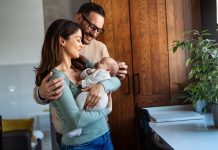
[[21, 37], [16, 88], [21, 31]]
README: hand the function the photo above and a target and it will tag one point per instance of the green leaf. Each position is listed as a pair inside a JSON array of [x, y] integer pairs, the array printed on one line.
[[175, 48], [187, 62], [203, 62]]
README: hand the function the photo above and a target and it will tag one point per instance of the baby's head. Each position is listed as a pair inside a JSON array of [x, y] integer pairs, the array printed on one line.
[[108, 64]]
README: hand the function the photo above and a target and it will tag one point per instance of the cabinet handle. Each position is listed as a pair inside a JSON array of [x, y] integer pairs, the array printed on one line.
[[136, 76], [128, 92]]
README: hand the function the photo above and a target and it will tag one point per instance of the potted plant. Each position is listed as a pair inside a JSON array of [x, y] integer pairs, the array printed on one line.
[[203, 62]]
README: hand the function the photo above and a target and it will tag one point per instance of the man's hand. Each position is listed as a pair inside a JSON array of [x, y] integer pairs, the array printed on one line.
[[51, 89], [122, 70], [96, 91]]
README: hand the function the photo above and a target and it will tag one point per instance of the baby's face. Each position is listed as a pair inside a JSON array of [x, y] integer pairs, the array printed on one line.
[[108, 64], [102, 65]]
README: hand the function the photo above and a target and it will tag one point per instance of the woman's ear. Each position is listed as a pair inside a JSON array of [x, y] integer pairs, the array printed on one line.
[[61, 41]]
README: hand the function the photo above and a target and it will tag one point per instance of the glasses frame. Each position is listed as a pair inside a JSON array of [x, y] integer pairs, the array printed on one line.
[[92, 26]]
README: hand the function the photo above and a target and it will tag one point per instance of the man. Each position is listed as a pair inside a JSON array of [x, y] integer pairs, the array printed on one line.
[[91, 18]]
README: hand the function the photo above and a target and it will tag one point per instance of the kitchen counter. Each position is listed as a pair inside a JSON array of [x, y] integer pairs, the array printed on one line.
[[187, 134]]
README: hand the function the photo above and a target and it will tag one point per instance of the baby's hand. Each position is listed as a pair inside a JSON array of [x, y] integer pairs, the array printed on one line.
[[93, 70], [90, 71]]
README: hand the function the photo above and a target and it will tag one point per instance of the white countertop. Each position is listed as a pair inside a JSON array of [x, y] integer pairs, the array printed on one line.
[[190, 134]]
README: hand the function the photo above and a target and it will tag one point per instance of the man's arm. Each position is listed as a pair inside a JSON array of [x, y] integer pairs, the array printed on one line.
[[48, 89], [53, 89], [37, 98]]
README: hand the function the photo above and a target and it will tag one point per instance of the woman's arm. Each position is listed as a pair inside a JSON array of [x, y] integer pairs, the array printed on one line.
[[66, 105], [111, 84], [97, 90]]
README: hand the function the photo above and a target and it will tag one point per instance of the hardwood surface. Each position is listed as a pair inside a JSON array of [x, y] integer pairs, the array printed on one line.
[[150, 51], [118, 40], [141, 32], [182, 15]]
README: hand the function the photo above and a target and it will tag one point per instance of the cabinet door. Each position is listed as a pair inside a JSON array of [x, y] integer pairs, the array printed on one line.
[[158, 73], [118, 42], [141, 32], [150, 52], [182, 16]]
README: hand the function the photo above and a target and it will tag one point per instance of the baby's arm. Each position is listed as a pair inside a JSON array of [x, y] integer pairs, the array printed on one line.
[[85, 73], [97, 76]]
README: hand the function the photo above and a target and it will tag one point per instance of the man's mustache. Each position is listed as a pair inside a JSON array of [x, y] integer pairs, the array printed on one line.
[[89, 34]]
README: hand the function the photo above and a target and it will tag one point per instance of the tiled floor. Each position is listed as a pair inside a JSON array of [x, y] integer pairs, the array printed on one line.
[[46, 142]]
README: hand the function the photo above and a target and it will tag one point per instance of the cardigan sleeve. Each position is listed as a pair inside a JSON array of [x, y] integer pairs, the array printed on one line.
[[67, 107]]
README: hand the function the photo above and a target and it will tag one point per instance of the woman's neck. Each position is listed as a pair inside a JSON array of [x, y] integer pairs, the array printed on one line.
[[67, 69], [65, 65]]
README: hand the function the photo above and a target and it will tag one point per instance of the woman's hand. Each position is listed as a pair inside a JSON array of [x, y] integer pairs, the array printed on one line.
[[51, 89], [96, 91], [109, 104], [122, 70]]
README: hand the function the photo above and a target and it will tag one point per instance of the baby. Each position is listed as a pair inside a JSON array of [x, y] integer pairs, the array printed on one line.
[[104, 69]]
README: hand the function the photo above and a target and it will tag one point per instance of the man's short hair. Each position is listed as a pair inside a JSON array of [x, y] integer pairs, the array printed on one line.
[[89, 7]]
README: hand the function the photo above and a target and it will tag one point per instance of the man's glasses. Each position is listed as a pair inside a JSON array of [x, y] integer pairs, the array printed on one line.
[[92, 26]]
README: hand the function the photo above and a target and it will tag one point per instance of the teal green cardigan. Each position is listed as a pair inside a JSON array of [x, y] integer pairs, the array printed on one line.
[[93, 123]]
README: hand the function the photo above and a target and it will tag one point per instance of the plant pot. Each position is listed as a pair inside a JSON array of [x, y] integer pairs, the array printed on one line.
[[200, 106], [215, 114]]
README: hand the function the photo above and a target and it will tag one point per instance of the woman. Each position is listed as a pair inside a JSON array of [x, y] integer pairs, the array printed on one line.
[[62, 45]]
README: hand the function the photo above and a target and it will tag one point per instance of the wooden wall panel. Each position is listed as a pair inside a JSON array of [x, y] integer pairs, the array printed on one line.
[[150, 51], [108, 37], [118, 40], [175, 31], [141, 32], [182, 15], [162, 46], [140, 45]]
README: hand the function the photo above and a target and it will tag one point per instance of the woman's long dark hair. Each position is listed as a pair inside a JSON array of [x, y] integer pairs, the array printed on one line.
[[51, 55]]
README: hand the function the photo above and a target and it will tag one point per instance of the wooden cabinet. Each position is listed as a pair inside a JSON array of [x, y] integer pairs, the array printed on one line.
[[141, 32], [118, 40], [182, 15], [150, 51]]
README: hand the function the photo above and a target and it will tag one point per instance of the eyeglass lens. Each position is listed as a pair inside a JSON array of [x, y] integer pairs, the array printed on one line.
[[92, 26]]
